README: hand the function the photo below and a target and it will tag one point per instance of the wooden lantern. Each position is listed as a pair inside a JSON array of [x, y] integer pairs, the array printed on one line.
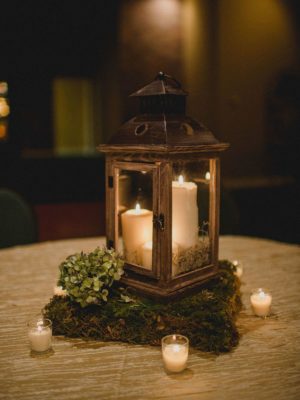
[[162, 194]]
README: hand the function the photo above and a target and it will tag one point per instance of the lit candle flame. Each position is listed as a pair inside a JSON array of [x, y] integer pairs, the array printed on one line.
[[180, 179], [262, 294], [137, 208], [207, 176]]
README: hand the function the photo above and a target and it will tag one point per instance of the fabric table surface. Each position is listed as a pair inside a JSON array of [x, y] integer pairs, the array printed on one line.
[[265, 365]]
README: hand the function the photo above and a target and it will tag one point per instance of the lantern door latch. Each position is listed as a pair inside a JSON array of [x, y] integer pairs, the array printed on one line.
[[159, 221]]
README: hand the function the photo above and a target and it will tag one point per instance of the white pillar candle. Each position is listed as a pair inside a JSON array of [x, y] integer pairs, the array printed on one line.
[[40, 335], [261, 302], [184, 213], [175, 350], [137, 230]]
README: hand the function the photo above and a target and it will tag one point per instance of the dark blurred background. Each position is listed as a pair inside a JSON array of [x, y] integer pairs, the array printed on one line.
[[68, 67]]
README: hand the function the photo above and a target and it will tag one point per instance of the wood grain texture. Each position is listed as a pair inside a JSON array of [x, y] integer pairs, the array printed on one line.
[[264, 366]]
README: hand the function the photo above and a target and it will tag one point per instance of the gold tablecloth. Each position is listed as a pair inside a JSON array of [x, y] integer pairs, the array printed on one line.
[[265, 365]]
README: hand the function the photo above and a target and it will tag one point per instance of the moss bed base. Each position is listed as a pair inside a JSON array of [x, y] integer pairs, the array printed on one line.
[[207, 318]]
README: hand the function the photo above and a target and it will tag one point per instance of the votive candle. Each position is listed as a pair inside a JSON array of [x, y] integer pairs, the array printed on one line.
[[175, 351], [40, 334], [261, 300]]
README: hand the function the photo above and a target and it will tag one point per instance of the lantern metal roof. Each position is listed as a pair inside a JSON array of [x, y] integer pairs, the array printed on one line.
[[162, 85], [162, 125]]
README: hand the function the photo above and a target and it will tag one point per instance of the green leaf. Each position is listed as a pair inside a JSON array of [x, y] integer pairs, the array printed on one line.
[[87, 283]]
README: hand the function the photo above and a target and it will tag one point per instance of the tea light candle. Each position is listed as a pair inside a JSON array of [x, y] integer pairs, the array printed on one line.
[[175, 350], [40, 334], [261, 301], [239, 268]]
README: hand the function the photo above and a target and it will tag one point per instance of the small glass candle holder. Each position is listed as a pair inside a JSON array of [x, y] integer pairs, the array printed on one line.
[[175, 351], [40, 334], [239, 268], [261, 300]]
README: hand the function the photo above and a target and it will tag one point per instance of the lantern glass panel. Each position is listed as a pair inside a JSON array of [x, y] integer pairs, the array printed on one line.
[[191, 244], [135, 215]]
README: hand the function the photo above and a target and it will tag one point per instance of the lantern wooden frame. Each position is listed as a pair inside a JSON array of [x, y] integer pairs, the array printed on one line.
[[159, 282]]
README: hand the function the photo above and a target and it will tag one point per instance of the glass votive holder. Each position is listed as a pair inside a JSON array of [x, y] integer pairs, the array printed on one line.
[[175, 351], [40, 334], [261, 300], [238, 268]]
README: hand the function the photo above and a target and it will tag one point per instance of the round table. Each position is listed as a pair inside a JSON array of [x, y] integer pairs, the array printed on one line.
[[265, 365]]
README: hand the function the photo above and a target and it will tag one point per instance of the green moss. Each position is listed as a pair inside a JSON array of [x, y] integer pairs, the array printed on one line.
[[207, 318]]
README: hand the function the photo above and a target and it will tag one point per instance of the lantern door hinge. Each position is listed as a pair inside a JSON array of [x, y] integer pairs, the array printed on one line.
[[110, 181], [159, 221]]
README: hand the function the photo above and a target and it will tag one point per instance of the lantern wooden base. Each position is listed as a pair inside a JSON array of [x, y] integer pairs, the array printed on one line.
[[178, 287], [207, 317]]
